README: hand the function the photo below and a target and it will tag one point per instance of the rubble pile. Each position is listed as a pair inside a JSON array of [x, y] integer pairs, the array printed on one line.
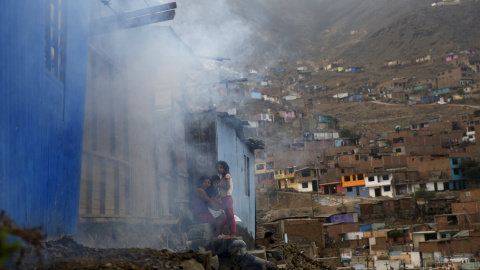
[[67, 254], [297, 259]]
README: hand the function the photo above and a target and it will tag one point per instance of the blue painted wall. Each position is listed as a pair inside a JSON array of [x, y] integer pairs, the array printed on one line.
[[458, 180], [232, 150], [41, 117], [362, 191]]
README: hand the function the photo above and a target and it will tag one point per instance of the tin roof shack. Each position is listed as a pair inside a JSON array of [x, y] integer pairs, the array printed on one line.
[[218, 136], [134, 169], [43, 78]]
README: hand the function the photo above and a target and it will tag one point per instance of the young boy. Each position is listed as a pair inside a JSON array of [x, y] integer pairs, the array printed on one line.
[[214, 194]]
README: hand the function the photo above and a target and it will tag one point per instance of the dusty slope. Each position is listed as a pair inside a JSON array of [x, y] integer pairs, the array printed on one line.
[[423, 31]]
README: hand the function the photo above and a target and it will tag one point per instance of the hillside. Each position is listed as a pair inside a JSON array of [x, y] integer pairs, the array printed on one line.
[[263, 31], [435, 31]]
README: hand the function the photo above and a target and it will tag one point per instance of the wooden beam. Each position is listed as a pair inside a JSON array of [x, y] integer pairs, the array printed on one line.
[[147, 11], [133, 19]]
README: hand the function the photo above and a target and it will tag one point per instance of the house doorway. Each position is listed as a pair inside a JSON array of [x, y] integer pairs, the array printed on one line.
[[378, 192], [315, 185]]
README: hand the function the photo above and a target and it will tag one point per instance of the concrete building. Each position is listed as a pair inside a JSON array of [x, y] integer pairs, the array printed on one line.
[[354, 185], [379, 185]]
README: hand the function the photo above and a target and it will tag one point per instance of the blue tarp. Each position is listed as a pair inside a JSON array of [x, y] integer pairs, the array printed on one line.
[[366, 227], [256, 95]]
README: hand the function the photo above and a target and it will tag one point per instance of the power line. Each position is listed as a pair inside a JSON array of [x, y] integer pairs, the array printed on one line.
[[112, 9], [107, 3], [146, 3]]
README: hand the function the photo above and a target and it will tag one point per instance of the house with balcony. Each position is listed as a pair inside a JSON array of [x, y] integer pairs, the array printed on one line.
[[354, 185], [379, 185]]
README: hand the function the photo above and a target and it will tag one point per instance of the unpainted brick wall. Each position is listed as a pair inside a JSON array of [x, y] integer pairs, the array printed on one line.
[[304, 231], [337, 231]]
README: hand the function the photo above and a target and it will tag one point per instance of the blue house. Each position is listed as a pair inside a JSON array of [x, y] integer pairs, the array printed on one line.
[[458, 179], [42, 76], [218, 136]]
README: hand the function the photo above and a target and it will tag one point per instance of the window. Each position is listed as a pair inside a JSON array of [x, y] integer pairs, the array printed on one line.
[[360, 176], [292, 180], [269, 165], [385, 177], [304, 185], [343, 171], [260, 166], [398, 150], [371, 178], [349, 189], [386, 188], [246, 165], [306, 173], [347, 178], [456, 171], [55, 38], [454, 161]]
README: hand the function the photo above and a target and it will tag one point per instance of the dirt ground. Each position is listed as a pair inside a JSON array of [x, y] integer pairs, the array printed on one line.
[[67, 254]]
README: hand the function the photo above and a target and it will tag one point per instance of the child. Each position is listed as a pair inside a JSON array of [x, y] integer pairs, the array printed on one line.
[[226, 188], [214, 194]]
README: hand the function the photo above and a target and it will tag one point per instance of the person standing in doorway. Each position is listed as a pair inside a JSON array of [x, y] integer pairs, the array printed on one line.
[[226, 189]]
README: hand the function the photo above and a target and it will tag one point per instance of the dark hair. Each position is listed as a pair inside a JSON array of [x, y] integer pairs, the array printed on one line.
[[268, 234], [224, 164], [201, 179], [215, 178], [212, 192]]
